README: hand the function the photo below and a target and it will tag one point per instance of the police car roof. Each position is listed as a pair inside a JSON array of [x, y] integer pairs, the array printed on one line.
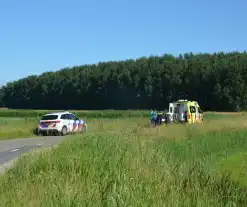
[[58, 113]]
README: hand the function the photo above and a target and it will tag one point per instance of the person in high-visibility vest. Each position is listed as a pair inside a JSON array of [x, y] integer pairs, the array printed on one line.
[[153, 116]]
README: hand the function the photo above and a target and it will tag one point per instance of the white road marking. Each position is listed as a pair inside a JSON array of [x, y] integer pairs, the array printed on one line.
[[14, 150]]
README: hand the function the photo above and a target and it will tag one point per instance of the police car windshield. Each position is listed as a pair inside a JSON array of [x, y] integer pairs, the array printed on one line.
[[49, 117]]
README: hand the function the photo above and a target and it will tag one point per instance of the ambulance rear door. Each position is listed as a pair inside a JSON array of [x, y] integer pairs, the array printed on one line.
[[171, 111], [197, 113], [193, 112]]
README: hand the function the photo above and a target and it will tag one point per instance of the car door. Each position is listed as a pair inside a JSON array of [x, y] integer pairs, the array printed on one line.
[[201, 114], [181, 112], [71, 121], [176, 113], [197, 115], [74, 123], [171, 111], [65, 118]]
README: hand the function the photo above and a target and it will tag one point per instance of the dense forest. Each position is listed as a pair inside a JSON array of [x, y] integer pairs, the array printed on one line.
[[217, 81]]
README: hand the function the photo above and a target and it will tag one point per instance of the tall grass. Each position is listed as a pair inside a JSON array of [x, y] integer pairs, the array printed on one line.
[[126, 163], [11, 128], [23, 123]]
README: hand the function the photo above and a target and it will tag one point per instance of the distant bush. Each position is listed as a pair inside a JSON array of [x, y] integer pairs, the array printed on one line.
[[87, 114]]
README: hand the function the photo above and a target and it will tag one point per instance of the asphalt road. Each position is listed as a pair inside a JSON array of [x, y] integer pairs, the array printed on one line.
[[12, 149]]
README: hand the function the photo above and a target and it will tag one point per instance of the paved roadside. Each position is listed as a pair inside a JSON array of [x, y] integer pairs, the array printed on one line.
[[12, 149]]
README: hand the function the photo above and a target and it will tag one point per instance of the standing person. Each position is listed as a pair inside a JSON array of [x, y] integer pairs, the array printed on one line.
[[152, 116], [186, 116], [165, 116], [159, 117], [155, 116]]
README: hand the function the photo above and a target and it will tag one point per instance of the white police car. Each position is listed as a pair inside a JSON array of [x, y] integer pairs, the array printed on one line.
[[61, 123]]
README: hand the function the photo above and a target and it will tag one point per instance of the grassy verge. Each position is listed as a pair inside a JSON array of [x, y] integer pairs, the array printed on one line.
[[20, 127], [123, 162], [11, 128]]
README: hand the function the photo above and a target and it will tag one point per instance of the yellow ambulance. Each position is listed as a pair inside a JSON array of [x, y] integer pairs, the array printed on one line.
[[185, 111]]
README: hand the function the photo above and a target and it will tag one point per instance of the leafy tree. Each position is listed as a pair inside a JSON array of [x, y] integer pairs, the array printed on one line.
[[1, 96], [217, 81]]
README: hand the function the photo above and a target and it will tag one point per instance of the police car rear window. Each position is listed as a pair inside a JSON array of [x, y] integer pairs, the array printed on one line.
[[49, 117]]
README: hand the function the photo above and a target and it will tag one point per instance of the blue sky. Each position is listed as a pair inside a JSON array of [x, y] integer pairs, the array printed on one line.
[[47, 35]]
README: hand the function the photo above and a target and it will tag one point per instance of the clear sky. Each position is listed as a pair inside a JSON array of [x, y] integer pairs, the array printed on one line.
[[47, 35]]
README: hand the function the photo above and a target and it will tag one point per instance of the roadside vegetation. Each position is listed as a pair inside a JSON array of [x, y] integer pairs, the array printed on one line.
[[22, 123], [122, 161], [11, 128]]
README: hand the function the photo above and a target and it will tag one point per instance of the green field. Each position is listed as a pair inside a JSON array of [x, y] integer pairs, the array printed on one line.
[[21, 123], [121, 161]]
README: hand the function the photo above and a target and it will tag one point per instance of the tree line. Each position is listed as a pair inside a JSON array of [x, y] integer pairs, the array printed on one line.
[[217, 81]]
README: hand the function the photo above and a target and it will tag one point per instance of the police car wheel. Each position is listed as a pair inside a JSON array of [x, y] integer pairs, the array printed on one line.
[[64, 131]]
